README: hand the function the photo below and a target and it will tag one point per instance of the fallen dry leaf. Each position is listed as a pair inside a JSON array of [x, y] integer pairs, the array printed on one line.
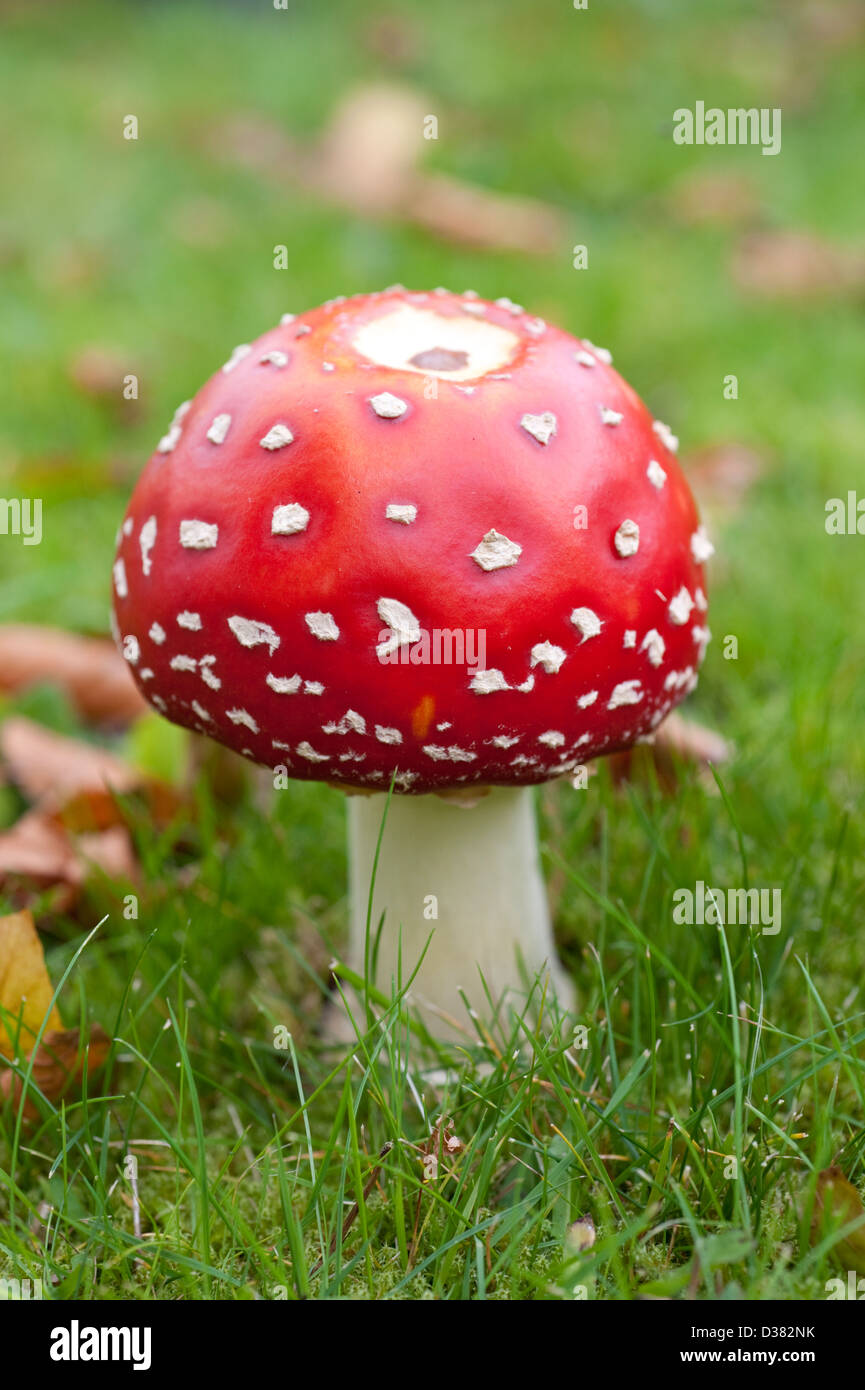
[[99, 372], [76, 782], [89, 669], [59, 1065], [367, 159], [699, 198], [837, 1202], [25, 989], [51, 768], [36, 854], [676, 741], [60, 1059], [721, 477], [367, 155], [796, 265], [460, 211]]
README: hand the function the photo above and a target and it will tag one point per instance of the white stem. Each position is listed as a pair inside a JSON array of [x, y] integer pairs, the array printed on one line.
[[472, 877]]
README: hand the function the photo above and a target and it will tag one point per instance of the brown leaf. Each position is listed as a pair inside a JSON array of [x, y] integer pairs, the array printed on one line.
[[25, 989], [367, 159], [721, 477], [90, 670], [464, 212], [98, 372], [38, 854], [367, 156], [796, 265], [837, 1202], [59, 1065], [52, 769], [701, 197], [676, 741]]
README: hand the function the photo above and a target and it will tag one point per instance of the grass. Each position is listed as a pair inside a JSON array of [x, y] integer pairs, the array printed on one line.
[[255, 1160]]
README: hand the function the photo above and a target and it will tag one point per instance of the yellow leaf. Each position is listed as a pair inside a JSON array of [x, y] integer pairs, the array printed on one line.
[[837, 1204], [25, 989]]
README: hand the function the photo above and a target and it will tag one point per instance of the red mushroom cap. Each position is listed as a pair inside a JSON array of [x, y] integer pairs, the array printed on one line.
[[420, 533]]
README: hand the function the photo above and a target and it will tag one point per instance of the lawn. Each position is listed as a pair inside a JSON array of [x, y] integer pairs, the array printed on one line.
[[715, 1072]]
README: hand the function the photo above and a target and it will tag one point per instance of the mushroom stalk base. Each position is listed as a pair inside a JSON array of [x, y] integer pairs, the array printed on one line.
[[472, 878]]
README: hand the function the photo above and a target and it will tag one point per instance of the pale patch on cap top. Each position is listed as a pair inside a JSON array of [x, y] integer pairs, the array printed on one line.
[[322, 625], [496, 552]]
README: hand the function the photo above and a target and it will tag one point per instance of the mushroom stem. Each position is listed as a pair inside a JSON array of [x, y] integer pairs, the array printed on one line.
[[472, 878]]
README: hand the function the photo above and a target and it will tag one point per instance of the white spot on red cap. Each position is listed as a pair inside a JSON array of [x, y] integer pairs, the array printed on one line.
[[488, 682], [625, 693], [680, 607], [120, 585], [385, 735], [387, 406], [251, 633], [219, 429], [277, 437], [655, 474], [307, 751], [169, 441], [587, 622], [700, 600], [527, 685], [399, 511], [351, 723], [611, 417], [274, 359], [313, 688], [451, 754], [243, 350], [504, 740], [322, 625], [181, 662], [404, 626], [601, 353], [157, 634], [147, 540], [585, 359], [702, 548], [552, 738], [283, 685], [289, 519], [198, 535], [666, 436], [630, 638], [496, 552], [588, 699], [242, 716], [627, 538], [541, 427], [549, 656], [191, 621], [653, 645], [207, 674], [201, 712], [512, 308]]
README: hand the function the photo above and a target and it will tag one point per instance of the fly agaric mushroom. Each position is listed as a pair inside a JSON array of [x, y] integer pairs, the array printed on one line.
[[427, 540]]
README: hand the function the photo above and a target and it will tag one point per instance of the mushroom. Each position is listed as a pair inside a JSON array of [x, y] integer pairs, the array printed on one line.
[[427, 542]]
